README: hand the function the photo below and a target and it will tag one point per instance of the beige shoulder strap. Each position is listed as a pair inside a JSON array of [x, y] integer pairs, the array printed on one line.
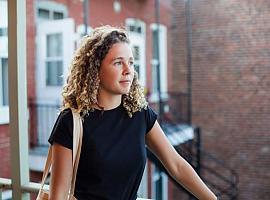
[[77, 143]]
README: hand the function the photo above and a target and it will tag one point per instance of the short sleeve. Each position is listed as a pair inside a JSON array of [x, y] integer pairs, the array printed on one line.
[[62, 132], [151, 118]]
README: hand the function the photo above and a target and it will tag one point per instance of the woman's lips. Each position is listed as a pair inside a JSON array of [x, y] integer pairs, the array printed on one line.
[[125, 81]]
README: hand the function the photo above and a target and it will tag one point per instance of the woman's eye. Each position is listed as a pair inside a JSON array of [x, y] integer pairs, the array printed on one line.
[[118, 63]]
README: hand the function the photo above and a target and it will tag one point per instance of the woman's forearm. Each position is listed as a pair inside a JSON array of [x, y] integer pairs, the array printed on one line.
[[188, 178]]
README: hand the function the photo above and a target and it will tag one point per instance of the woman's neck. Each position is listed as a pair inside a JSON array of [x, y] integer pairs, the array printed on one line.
[[108, 102]]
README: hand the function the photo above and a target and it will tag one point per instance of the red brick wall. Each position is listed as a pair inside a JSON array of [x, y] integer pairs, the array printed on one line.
[[179, 52], [231, 95], [4, 152]]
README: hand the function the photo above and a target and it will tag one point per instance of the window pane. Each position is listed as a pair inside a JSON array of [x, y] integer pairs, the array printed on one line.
[[54, 45], [43, 13], [54, 71], [137, 69], [154, 78], [155, 44], [136, 52], [132, 28], [139, 29], [5, 81], [135, 28], [58, 15]]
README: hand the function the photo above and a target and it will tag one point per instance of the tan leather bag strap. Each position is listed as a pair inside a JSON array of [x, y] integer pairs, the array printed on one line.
[[77, 143], [78, 132]]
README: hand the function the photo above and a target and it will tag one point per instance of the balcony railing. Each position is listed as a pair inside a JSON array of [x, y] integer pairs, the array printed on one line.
[[41, 121]]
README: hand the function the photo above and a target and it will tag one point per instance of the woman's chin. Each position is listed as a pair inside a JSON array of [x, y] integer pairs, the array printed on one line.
[[125, 91]]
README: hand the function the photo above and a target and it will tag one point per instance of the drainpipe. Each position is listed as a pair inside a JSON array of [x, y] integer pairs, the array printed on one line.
[[158, 60], [85, 15], [189, 56]]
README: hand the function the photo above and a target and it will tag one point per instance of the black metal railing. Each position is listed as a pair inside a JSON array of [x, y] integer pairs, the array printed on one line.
[[220, 178]]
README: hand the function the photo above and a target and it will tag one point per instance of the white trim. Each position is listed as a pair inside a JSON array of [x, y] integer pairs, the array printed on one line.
[[154, 97], [4, 110], [4, 117], [80, 33], [4, 14], [4, 47], [163, 63], [138, 40], [66, 28], [6, 195]]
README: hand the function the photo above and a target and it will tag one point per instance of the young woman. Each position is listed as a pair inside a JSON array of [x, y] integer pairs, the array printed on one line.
[[117, 125]]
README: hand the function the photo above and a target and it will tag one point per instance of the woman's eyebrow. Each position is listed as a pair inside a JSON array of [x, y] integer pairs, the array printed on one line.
[[121, 58]]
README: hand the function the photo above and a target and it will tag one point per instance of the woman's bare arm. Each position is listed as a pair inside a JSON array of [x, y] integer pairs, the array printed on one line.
[[178, 168], [61, 172]]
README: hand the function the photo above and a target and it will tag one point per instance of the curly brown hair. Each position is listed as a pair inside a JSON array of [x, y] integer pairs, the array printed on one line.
[[81, 90]]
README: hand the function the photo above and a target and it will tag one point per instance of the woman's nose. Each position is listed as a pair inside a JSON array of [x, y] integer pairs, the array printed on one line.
[[127, 68]]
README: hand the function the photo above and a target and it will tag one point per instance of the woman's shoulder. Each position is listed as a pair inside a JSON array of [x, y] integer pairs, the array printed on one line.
[[65, 114], [146, 111]]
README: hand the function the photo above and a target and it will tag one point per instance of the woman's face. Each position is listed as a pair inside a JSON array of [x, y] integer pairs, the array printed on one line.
[[116, 70]]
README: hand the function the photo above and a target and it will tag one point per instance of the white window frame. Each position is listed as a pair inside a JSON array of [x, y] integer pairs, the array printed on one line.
[[66, 27], [138, 39], [163, 51], [4, 110], [51, 6]]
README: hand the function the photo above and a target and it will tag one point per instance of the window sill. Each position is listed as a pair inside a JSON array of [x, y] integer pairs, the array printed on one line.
[[154, 98]]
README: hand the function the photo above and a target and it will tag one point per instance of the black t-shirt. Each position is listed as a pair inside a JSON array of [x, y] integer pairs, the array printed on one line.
[[113, 154]]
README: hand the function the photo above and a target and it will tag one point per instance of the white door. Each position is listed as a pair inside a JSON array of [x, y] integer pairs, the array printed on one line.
[[54, 49]]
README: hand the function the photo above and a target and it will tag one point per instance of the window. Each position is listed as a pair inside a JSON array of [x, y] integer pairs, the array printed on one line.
[[4, 117], [136, 54], [159, 56], [4, 82], [58, 15], [49, 15], [4, 108], [136, 29], [43, 13], [49, 10], [54, 60]]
